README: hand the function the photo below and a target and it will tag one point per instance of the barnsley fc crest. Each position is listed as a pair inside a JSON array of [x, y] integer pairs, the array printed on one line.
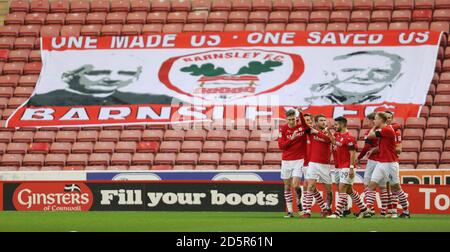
[[226, 75]]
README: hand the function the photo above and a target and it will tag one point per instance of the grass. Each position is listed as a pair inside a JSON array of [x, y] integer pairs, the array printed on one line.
[[208, 221]]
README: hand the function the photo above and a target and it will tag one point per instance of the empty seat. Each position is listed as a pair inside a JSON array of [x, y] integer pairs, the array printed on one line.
[[417, 123], [343, 4], [87, 136], [139, 5], [177, 17], [121, 159], [230, 158], [408, 158], [39, 6], [33, 160], [421, 25], [104, 147], [242, 135], [100, 5], [44, 136], [197, 17], [116, 18], [131, 29], [60, 148], [219, 135], [445, 157], [147, 146], [252, 158], [170, 146], [174, 135], [319, 16], [381, 16], [256, 146], [398, 26], [142, 159], [441, 15], [19, 6], [378, 26], [79, 6], [411, 145], [71, 30], [23, 136], [17, 148], [55, 159], [213, 146], [434, 134], [413, 134], [432, 145], [11, 159], [35, 18], [357, 27], [401, 16], [272, 158], [258, 17], [279, 17], [172, 28], [245, 5], [76, 18], [235, 146], [59, 6], [276, 27], [440, 111], [109, 135], [218, 17], [238, 17], [191, 146], [422, 15], [164, 159], [99, 159], [151, 29], [429, 157], [273, 147], [90, 30], [208, 159], [187, 159], [437, 122]]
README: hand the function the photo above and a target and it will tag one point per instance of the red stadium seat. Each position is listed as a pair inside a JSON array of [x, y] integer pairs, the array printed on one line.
[[381, 16], [140, 5], [16, 148], [116, 18], [90, 30], [398, 26], [181, 5], [238, 17], [170, 146], [343, 4], [276, 27], [319, 16], [272, 158], [121, 159], [357, 27], [19, 6], [235, 146], [408, 158], [360, 16], [258, 17], [59, 6], [322, 5], [208, 158], [262, 5], [99, 159], [187, 159], [401, 16], [79, 6], [299, 17], [120, 5], [100, 5], [55, 160], [252, 158], [164, 159], [432, 145], [440, 111], [424, 4], [143, 158], [131, 29], [241, 5], [15, 18], [437, 122], [429, 158], [441, 15], [434, 134], [197, 17], [415, 123], [422, 15], [11, 160], [76, 18], [60, 148], [256, 146], [191, 146], [111, 30], [218, 17], [340, 16], [39, 6], [411, 145], [35, 18], [213, 146], [445, 158], [70, 30], [148, 146], [413, 134], [152, 28], [104, 147], [179, 17], [230, 158], [125, 147]]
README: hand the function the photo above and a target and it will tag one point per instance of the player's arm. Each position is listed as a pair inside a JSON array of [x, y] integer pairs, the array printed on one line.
[[324, 136], [331, 136], [372, 133], [302, 118], [283, 141], [398, 148], [353, 158]]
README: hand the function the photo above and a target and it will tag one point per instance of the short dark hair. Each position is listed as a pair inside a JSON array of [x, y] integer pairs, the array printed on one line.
[[316, 118], [290, 112], [382, 115], [371, 116], [307, 114], [341, 119], [389, 112]]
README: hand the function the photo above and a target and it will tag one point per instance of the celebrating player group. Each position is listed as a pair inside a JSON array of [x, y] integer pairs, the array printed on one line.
[[308, 142]]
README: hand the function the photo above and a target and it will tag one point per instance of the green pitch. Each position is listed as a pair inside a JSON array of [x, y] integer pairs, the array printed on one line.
[[209, 221]]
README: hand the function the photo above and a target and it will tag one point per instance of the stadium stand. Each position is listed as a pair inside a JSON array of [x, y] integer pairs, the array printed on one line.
[[220, 145]]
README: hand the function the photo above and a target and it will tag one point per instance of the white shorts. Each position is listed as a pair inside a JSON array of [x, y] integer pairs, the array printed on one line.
[[319, 172], [291, 168], [386, 172], [342, 176], [370, 166]]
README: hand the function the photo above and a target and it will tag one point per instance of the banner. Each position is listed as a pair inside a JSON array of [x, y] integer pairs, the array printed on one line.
[[170, 78], [183, 196], [143, 196]]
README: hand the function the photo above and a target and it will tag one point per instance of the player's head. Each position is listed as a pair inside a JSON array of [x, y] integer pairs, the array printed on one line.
[[366, 72], [380, 119], [340, 123], [371, 117], [290, 117], [308, 119], [321, 121], [390, 116]]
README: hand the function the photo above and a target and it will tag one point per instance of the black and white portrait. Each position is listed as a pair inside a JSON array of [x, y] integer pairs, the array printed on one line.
[[357, 77]]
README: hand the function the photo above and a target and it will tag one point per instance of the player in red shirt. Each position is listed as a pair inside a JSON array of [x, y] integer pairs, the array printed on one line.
[[292, 140], [387, 169], [296, 181], [319, 167], [392, 199], [345, 159]]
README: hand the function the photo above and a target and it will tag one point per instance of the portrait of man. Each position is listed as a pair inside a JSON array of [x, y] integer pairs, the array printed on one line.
[[99, 84], [358, 77]]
